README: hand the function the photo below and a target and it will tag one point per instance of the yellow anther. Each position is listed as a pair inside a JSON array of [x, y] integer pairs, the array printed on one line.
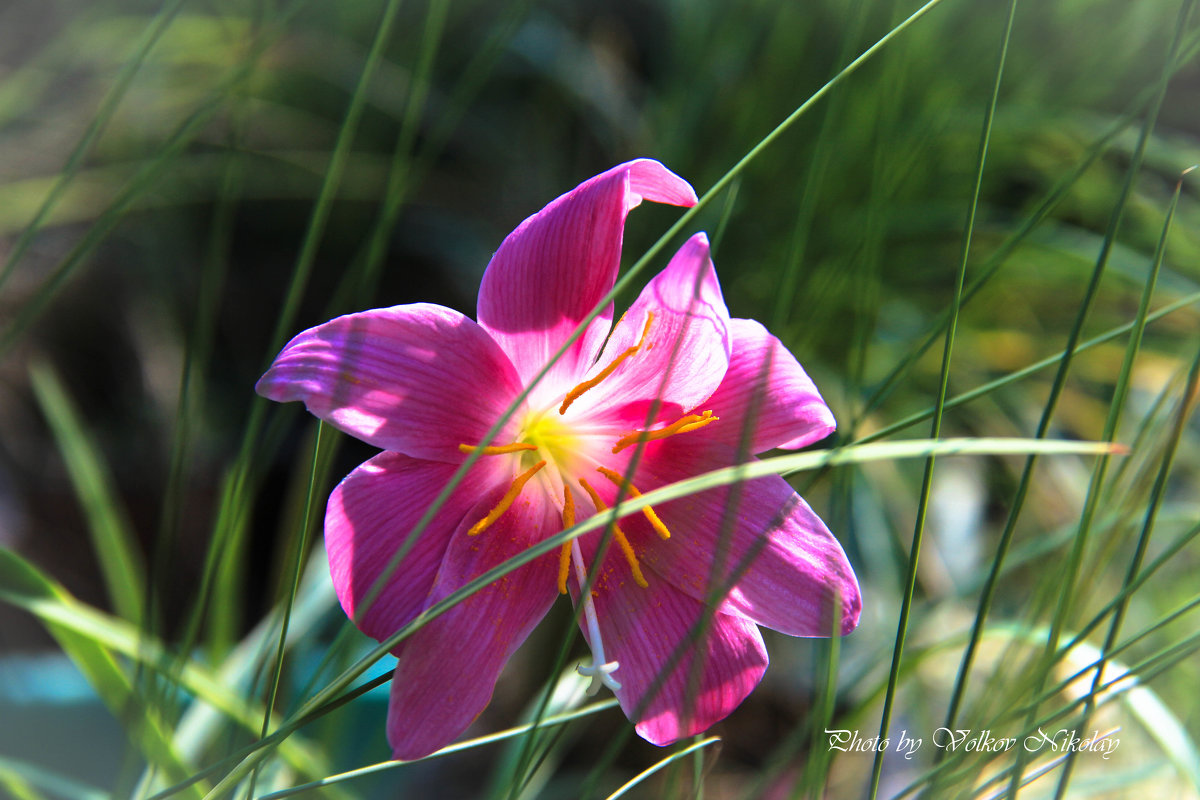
[[590, 383], [517, 485], [648, 512], [564, 556], [619, 535], [497, 450], [682, 425]]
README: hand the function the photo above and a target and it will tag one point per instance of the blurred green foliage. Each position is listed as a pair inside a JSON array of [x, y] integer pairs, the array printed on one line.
[[159, 169]]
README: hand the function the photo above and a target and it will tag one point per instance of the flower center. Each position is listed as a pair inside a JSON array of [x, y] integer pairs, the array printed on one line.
[[553, 440], [549, 442]]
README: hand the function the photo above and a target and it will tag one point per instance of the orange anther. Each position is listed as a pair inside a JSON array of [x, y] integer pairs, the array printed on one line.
[[564, 556], [619, 535], [517, 485], [590, 383], [648, 511], [497, 450], [682, 425]]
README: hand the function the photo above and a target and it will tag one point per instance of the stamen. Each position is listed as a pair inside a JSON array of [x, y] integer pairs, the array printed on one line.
[[619, 535], [497, 450], [600, 671], [648, 511], [682, 425], [517, 485], [590, 383], [564, 557]]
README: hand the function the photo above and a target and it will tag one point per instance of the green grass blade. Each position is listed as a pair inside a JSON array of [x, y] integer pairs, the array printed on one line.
[[1120, 392], [622, 283], [112, 534], [145, 178], [302, 548], [1025, 372], [22, 780], [939, 407], [319, 217], [817, 169], [90, 632], [108, 106], [1062, 605], [23, 584], [469, 744], [631, 784], [401, 173], [229, 541], [329, 696]]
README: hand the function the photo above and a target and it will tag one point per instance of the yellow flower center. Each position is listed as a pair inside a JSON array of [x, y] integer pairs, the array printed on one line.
[[552, 440], [558, 454]]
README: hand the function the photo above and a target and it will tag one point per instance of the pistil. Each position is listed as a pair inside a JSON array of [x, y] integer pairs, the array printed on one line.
[[600, 671]]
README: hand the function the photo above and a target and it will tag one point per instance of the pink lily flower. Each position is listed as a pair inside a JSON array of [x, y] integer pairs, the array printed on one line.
[[425, 383]]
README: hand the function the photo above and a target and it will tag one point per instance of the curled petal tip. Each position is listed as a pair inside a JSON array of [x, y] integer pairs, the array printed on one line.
[[654, 182], [851, 610]]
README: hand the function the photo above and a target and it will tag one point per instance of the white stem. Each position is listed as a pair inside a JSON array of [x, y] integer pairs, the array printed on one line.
[[600, 670]]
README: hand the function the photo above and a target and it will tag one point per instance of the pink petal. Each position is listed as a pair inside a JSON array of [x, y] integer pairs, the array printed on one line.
[[685, 353], [558, 263], [368, 519], [419, 379], [447, 669], [668, 691], [797, 573], [767, 390]]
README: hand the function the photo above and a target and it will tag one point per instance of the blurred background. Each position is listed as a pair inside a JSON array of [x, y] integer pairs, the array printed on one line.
[[185, 185]]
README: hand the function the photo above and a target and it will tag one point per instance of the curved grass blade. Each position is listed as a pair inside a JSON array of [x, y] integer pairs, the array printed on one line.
[[24, 585], [22, 780], [817, 168], [229, 540], [470, 744], [1075, 557], [1185, 406], [625, 280], [111, 532], [108, 106], [302, 549], [141, 182], [939, 408], [779, 465], [671, 759]]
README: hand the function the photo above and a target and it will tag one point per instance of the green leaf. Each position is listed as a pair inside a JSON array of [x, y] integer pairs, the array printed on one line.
[[90, 637], [23, 585], [22, 780], [108, 523]]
